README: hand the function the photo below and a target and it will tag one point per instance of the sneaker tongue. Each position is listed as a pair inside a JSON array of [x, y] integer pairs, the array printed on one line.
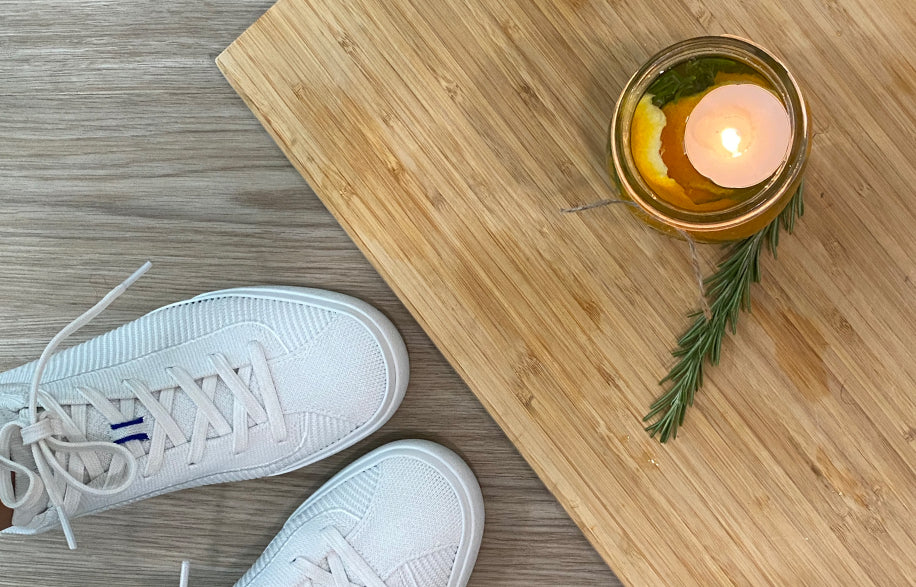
[[7, 416], [13, 397]]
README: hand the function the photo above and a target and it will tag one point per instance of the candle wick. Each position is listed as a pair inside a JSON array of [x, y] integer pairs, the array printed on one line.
[[731, 140]]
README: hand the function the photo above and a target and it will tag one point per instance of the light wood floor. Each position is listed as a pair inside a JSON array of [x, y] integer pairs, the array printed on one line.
[[121, 142]]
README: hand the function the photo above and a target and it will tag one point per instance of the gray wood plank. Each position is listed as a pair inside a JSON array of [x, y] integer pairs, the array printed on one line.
[[120, 141]]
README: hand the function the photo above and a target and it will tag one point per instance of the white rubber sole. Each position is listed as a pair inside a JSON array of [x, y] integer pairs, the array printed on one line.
[[381, 328], [450, 466]]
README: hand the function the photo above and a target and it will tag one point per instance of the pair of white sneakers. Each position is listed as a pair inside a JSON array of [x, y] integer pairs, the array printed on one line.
[[234, 385]]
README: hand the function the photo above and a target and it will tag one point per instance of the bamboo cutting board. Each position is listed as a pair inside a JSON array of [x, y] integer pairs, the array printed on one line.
[[447, 135]]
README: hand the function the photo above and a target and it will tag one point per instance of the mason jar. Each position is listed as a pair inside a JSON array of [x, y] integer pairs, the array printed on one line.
[[766, 200]]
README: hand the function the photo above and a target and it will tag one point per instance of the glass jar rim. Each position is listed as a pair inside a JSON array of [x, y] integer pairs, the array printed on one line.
[[770, 194]]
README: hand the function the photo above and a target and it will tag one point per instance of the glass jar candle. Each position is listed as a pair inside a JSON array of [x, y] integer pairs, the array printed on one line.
[[710, 137]]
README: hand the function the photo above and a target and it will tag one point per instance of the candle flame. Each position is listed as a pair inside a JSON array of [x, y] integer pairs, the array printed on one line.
[[731, 139]]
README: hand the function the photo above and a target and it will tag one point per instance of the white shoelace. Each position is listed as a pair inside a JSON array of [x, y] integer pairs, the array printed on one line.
[[341, 558], [122, 471], [185, 574], [314, 576]]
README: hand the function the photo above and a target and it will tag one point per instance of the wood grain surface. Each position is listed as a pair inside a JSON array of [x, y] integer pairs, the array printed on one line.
[[120, 141], [447, 136]]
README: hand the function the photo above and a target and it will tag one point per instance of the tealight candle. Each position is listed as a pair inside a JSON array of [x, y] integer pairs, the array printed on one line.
[[738, 135]]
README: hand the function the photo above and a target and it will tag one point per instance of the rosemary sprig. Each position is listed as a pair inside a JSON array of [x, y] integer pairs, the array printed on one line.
[[729, 292], [691, 77]]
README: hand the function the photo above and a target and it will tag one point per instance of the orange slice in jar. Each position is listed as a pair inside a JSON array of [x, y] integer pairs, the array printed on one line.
[[646, 146]]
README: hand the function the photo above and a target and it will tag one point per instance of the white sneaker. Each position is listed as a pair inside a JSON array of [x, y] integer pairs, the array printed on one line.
[[409, 514], [230, 385]]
